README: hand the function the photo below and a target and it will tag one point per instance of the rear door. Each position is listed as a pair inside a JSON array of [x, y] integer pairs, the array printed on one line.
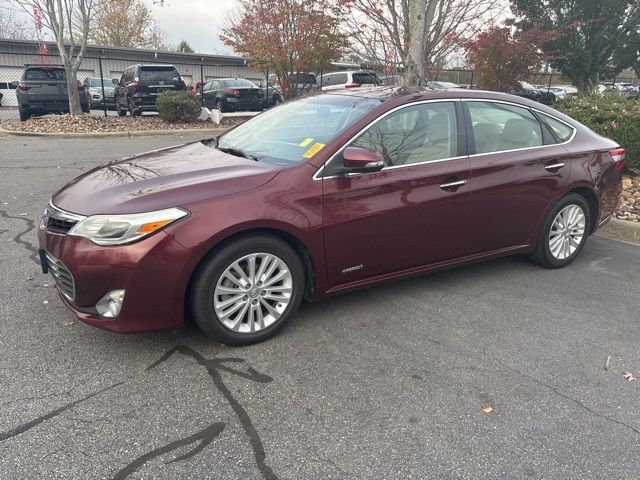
[[517, 170], [411, 213]]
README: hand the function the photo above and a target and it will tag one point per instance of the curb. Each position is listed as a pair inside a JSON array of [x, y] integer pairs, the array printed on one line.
[[621, 230], [142, 133]]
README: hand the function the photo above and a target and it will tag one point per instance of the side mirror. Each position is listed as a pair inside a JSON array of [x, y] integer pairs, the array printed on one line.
[[361, 160]]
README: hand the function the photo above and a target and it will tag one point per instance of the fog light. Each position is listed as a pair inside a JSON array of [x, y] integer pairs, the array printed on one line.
[[110, 305]]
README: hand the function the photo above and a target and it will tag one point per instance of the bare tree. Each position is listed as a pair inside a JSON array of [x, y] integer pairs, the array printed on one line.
[[11, 27], [69, 22], [415, 34]]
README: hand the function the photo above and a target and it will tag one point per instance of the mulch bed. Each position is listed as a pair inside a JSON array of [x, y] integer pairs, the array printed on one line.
[[95, 124]]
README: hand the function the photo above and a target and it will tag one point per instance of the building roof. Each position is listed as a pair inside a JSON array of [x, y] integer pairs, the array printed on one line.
[[97, 49]]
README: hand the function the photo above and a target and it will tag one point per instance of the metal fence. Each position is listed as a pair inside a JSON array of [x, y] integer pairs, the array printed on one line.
[[204, 69], [110, 67]]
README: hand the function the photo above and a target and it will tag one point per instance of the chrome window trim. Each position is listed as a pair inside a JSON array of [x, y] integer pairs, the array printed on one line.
[[63, 214], [399, 107], [318, 174]]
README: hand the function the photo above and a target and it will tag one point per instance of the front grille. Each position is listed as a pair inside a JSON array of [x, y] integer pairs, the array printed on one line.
[[62, 276], [59, 221], [59, 225]]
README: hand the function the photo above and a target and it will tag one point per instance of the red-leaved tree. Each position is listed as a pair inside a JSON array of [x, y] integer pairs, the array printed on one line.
[[287, 36], [501, 56]]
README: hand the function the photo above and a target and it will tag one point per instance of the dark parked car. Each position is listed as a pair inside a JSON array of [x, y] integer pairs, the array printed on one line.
[[320, 196], [43, 89], [526, 90], [233, 94], [140, 85], [94, 88]]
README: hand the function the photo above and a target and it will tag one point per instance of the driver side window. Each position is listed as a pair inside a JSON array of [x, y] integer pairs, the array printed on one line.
[[420, 133]]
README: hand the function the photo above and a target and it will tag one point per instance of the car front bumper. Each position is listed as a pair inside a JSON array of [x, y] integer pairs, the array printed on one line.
[[152, 273]]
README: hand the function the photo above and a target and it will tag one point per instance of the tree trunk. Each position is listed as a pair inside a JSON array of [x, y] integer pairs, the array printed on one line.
[[72, 91], [414, 62]]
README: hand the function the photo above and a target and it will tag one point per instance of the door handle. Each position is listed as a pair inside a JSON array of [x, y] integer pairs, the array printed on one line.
[[458, 183], [554, 166]]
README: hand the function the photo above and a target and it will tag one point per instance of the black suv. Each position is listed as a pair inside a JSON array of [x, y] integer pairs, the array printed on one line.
[[140, 85], [526, 90], [43, 89]]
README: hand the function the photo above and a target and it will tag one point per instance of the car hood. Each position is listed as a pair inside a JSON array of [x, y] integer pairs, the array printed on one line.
[[161, 179]]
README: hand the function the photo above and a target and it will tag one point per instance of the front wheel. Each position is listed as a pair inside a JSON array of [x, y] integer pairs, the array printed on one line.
[[564, 233], [247, 291]]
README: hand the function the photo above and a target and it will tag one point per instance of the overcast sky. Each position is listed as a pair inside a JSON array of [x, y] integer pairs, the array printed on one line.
[[196, 21]]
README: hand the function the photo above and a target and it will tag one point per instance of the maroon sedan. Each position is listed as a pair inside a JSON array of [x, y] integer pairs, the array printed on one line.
[[320, 196]]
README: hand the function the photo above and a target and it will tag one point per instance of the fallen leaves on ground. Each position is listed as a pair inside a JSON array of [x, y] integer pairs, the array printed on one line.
[[487, 408], [629, 376], [95, 124], [46, 302], [68, 324]]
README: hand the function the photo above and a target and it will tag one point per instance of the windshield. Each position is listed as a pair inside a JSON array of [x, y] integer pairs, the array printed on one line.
[[155, 74], [239, 82], [297, 130], [45, 74], [95, 82]]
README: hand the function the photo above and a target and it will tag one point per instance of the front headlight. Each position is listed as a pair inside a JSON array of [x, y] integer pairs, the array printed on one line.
[[119, 229]]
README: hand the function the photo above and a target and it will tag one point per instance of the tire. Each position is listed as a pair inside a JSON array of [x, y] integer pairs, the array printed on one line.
[[86, 109], [557, 250], [121, 112], [276, 100], [24, 115], [220, 106], [206, 299]]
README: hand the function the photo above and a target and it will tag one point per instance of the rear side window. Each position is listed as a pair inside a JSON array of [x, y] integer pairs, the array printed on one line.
[[155, 74], [560, 130], [366, 78], [500, 126], [45, 74]]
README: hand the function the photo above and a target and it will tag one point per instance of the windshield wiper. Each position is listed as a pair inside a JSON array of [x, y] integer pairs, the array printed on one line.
[[238, 153]]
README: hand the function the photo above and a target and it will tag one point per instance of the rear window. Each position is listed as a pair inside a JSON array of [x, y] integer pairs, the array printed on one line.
[[239, 82], [45, 74], [154, 74], [366, 78]]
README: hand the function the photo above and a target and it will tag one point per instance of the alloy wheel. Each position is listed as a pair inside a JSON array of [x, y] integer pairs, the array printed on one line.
[[567, 231], [253, 292]]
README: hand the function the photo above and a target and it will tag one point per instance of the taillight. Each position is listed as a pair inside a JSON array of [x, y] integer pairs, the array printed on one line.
[[353, 85], [618, 155], [232, 91], [24, 87], [135, 86]]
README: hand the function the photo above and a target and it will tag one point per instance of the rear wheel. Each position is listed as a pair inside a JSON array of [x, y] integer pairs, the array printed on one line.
[[564, 233], [121, 111], [23, 115], [247, 291]]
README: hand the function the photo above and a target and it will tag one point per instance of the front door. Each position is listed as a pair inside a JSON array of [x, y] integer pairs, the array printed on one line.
[[411, 213]]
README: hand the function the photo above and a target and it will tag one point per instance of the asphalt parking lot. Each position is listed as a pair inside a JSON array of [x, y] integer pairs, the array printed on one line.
[[385, 383]]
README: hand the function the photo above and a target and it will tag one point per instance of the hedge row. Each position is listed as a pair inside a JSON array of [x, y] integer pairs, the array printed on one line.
[[611, 116]]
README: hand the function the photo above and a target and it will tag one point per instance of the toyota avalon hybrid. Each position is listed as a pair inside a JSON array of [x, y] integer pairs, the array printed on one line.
[[319, 196]]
